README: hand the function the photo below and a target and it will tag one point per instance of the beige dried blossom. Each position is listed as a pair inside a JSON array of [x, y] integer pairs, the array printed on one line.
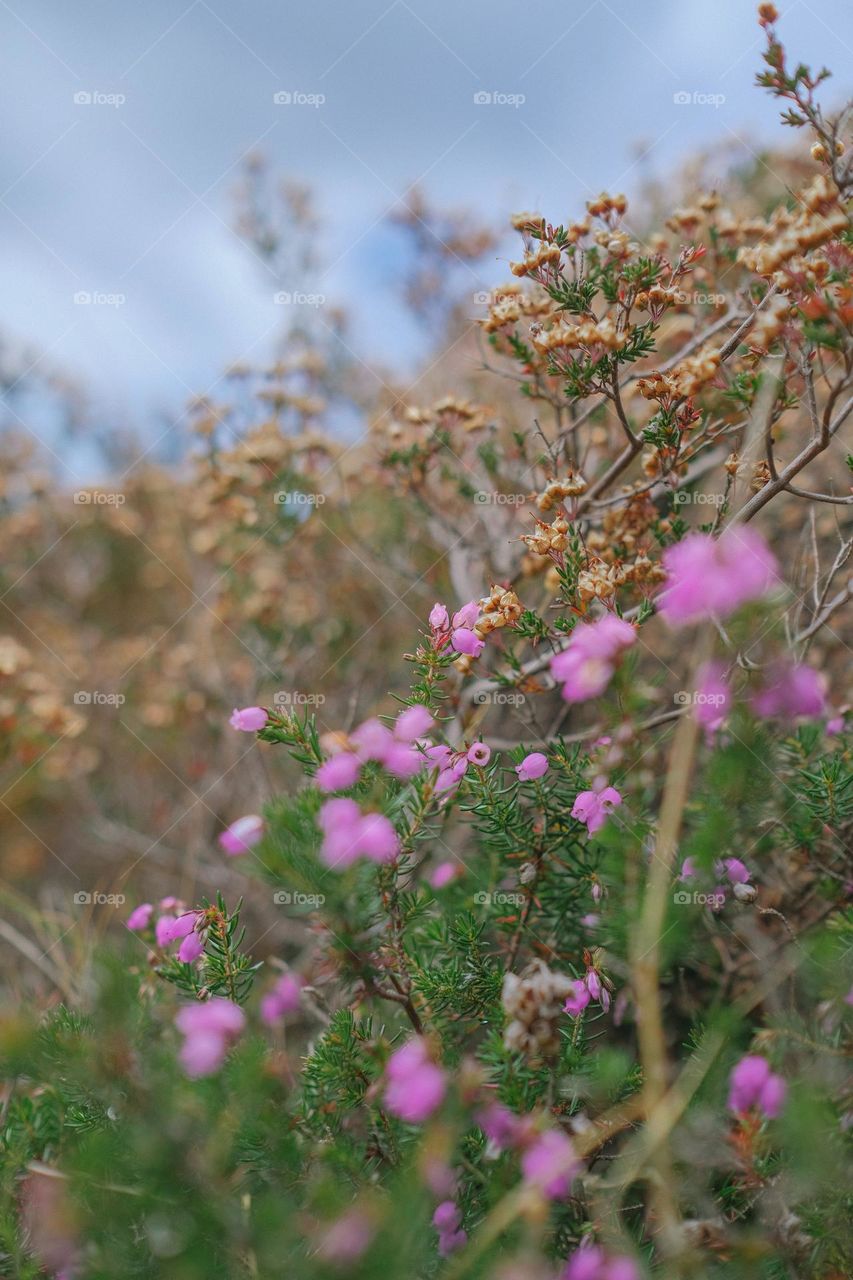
[[533, 1003]]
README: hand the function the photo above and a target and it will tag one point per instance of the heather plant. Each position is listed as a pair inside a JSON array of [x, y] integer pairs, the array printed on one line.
[[566, 991]]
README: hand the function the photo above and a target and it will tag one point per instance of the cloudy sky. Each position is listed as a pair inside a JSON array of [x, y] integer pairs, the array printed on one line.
[[126, 126]]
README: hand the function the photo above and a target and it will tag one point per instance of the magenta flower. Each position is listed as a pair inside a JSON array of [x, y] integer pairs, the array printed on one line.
[[338, 772], [242, 835], [248, 719], [446, 1220], [737, 871], [550, 1164], [209, 1030], [501, 1126], [284, 998], [171, 928], [590, 1262], [532, 766], [415, 1085], [140, 917], [587, 665], [711, 577], [349, 834], [752, 1084], [372, 740], [479, 754], [413, 723], [792, 690], [593, 807], [578, 1000], [192, 948], [466, 641]]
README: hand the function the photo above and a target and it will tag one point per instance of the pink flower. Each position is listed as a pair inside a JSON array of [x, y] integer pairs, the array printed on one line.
[[443, 874], [532, 766], [191, 948], [242, 835], [592, 807], [752, 1084], [284, 998], [467, 615], [466, 641], [713, 700], [209, 1030], [415, 1085], [590, 1262], [587, 665], [480, 754], [372, 740], [347, 1238], [249, 719], [339, 772], [162, 934], [736, 870], [711, 577], [439, 619], [349, 834], [688, 870], [446, 1220], [593, 983], [171, 928], [140, 917], [578, 1000], [835, 725], [792, 690], [550, 1164], [413, 723], [501, 1126]]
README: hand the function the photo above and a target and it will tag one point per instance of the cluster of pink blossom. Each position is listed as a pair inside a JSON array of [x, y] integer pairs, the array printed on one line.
[[176, 924], [453, 765], [399, 750], [588, 663], [415, 1085], [242, 835], [548, 1159], [349, 834], [590, 987], [446, 1220], [209, 1030], [753, 1084], [458, 630], [590, 1262], [732, 870], [283, 999], [711, 577], [593, 807]]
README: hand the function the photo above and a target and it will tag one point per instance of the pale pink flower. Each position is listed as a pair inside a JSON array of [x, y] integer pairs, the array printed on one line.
[[532, 766], [752, 1084], [140, 917], [372, 740], [467, 615], [578, 1000], [480, 754], [345, 1240], [593, 807], [466, 641], [349, 834], [284, 998], [209, 1030], [446, 1220], [242, 835], [171, 928], [443, 874], [711, 577], [550, 1164], [590, 1262], [248, 719], [192, 948], [791, 690], [439, 619], [737, 871], [415, 1085], [339, 772], [688, 870], [413, 723], [587, 665]]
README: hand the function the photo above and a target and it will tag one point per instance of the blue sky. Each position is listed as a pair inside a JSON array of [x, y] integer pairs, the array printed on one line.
[[130, 193]]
